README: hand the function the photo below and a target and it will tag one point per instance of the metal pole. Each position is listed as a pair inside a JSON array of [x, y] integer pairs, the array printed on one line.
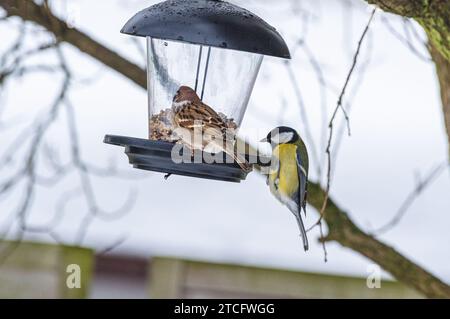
[[206, 73], [198, 67]]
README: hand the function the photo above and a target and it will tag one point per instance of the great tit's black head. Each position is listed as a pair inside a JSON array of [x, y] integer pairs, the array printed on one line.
[[281, 135]]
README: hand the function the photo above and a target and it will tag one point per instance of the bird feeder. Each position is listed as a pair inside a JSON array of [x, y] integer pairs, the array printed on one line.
[[214, 47]]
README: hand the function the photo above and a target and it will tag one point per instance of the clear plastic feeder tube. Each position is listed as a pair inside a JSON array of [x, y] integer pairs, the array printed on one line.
[[222, 78]]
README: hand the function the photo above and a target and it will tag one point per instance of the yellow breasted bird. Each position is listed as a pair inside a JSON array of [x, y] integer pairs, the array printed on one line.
[[288, 176]]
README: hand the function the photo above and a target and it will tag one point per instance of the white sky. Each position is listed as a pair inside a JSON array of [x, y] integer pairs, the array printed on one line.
[[397, 130]]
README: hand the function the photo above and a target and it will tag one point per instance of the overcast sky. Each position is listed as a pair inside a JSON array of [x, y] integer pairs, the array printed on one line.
[[397, 131]]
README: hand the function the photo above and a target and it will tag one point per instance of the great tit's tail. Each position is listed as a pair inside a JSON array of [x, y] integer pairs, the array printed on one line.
[[296, 211], [302, 231]]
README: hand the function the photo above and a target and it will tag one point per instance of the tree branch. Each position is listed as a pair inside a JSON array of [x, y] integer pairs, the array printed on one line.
[[40, 14], [341, 227]]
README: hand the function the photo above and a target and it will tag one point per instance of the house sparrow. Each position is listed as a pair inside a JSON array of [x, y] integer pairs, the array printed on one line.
[[288, 177], [191, 113]]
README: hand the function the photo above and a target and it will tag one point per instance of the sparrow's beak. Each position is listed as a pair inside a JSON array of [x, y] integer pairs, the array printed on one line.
[[264, 140]]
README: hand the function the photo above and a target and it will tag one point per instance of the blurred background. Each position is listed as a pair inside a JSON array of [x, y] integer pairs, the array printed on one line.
[[62, 188]]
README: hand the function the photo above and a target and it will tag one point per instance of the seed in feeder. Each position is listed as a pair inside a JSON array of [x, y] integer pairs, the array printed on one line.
[[161, 126]]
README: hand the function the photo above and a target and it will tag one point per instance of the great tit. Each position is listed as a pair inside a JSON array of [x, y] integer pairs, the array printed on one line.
[[288, 174]]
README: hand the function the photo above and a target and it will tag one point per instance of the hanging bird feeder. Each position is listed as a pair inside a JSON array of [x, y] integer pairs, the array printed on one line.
[[212, 47]]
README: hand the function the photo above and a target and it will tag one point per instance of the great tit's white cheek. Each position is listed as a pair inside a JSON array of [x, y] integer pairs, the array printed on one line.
[[275, 139], [284, 137]]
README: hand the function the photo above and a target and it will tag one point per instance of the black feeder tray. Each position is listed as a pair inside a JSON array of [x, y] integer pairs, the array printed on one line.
[[209, 24], [156, 156]]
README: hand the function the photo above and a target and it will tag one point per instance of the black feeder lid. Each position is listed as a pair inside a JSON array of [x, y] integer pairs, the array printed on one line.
[[208, 22]]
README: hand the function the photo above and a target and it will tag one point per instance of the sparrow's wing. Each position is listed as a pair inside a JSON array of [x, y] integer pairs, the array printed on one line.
[[199, 115], [213, 127]]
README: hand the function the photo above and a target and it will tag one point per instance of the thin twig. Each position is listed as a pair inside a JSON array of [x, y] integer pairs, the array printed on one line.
[[113, 246], [339, 106], [330, 126], [32, 142], [406, 41], [420, 186]]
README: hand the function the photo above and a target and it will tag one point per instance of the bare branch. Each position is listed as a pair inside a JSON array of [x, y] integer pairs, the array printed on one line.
[[339, 106], [406, 41], [41, 15], [35, 133], [412, 196], [113, 246]]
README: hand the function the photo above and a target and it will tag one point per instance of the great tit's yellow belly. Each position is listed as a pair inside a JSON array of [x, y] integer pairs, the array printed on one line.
[[287, 173]]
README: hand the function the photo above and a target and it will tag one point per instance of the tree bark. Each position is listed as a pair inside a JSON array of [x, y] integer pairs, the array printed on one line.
[[341, 227], [443, 73]]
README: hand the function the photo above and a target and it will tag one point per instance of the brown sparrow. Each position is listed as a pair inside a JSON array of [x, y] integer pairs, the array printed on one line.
[[191, 113]]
